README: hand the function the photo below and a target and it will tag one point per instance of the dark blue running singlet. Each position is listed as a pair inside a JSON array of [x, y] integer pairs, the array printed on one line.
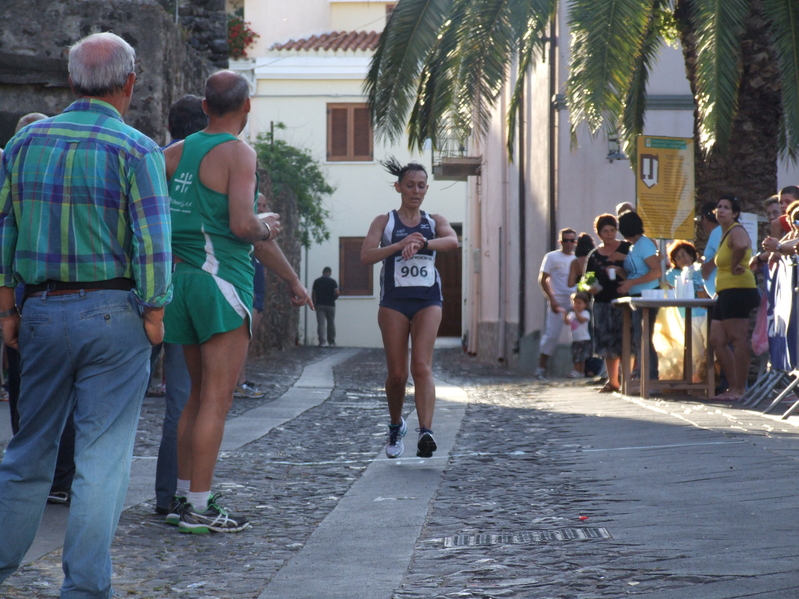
[[416, 278]]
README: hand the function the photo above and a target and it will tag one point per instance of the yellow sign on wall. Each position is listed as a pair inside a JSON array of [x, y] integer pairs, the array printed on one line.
[[665, 186]]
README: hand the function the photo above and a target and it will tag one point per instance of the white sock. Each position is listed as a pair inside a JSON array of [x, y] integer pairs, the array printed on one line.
[[183, 488], [199, 500]]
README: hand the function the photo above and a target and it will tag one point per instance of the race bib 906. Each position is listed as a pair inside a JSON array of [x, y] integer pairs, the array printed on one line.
[[419, 271]]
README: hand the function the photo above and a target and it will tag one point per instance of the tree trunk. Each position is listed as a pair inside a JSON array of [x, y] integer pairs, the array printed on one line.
[[747, 169]]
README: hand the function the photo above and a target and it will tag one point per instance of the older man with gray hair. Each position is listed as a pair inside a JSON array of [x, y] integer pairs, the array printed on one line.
[[84, 224]]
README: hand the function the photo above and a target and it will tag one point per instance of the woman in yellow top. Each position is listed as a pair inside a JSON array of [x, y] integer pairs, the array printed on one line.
[[737, 297]]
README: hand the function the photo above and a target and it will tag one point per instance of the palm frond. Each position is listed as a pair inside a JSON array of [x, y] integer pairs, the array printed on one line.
[[410, 34], [487, 45], [719, 26], [784, 18], [532, 33], [632, 121], [432, 113], [606, 43]]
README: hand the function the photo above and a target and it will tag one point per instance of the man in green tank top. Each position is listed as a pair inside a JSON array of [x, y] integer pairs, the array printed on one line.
[[213, 186]]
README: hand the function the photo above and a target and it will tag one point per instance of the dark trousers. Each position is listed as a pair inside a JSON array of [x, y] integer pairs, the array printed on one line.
[[65, 463]]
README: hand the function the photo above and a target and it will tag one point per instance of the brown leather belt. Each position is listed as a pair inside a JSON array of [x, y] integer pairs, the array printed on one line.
[[58, 292], [70, 287]]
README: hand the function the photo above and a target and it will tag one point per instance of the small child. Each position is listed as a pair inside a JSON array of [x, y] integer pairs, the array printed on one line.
[[578, 320]]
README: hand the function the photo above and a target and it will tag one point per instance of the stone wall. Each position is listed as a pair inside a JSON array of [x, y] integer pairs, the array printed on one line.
[[33, 58], [280, 322], [205, 24]]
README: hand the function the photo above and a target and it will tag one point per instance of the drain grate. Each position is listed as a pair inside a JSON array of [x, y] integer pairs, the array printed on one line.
[[532, 536]]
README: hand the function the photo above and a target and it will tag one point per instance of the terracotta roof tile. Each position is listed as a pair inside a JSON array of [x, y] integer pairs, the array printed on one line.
[[337, 40]]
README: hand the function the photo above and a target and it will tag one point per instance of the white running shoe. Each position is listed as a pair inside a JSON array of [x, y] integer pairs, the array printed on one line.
[[574, 375], [396, 432], [540, 374]]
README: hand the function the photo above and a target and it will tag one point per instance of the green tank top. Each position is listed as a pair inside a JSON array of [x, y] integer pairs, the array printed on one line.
[[201, 234]]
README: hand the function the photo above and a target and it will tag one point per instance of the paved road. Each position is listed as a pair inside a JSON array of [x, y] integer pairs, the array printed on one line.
[[539, 490]]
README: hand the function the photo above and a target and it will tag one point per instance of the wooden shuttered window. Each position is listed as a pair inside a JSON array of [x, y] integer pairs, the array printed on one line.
[[349, 133], [354, 277]]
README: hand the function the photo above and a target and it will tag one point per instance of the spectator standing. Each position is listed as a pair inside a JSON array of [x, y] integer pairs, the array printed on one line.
[[682, 255], [553, 278], [95, 293], [212, 184], [738, 296], [607, 263], [710, 226], [585, 244], [65, 463], [578, 320], [324, 294], [643, 269], [788, 195], [186, 116], [773, 210]]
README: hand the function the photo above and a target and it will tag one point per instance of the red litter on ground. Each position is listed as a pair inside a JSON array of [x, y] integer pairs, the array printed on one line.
[[583, 517]]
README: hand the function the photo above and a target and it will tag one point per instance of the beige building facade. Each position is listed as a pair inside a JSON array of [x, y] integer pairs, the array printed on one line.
[[307, 70]]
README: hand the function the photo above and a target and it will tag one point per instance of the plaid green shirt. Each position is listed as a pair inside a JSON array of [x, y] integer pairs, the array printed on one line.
[[83, 197]]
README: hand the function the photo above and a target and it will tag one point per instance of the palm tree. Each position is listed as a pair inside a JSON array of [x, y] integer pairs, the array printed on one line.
[[442, 64]]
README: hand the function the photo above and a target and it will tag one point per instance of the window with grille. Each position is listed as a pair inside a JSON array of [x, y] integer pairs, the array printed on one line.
[[354, 277], [349, 133]]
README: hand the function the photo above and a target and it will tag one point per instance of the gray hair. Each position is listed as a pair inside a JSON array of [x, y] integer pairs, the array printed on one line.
[[100, 63], [226, 91], [29, 118]]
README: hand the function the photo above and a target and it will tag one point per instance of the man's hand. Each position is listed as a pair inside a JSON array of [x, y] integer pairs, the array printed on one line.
[[153, 324], [770, 244], [10, 328], [272, 219], [555, 307], [299, 295]]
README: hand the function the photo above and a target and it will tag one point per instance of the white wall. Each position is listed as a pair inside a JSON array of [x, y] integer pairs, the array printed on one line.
[[358, 16], [363, 189], [279, 21]]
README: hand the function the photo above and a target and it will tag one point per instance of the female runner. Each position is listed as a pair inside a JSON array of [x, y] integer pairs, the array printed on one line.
[[406, 241]]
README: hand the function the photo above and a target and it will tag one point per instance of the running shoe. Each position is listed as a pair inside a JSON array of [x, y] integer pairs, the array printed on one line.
[[426, 445], [396, 432], [175, 510], [540, 374], [574, 374], [249, 390], [214, 519]]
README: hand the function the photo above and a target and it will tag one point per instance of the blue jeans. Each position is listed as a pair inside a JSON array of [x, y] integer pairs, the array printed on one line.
[[178, 385], [85, 354]]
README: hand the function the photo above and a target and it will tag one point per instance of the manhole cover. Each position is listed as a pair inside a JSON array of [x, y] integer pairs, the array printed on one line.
[[531, 536]]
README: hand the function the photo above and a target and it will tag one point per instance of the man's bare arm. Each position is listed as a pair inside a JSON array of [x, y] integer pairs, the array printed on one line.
[[244, 224]]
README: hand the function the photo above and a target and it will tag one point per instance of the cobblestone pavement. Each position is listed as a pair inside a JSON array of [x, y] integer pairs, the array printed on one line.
[[514, 470]]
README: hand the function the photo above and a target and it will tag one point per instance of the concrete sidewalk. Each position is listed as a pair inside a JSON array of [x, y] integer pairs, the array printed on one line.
[[370, 535]]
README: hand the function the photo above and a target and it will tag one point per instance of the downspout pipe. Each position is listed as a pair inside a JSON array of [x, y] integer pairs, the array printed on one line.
[[522, 225], [553, 135]]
